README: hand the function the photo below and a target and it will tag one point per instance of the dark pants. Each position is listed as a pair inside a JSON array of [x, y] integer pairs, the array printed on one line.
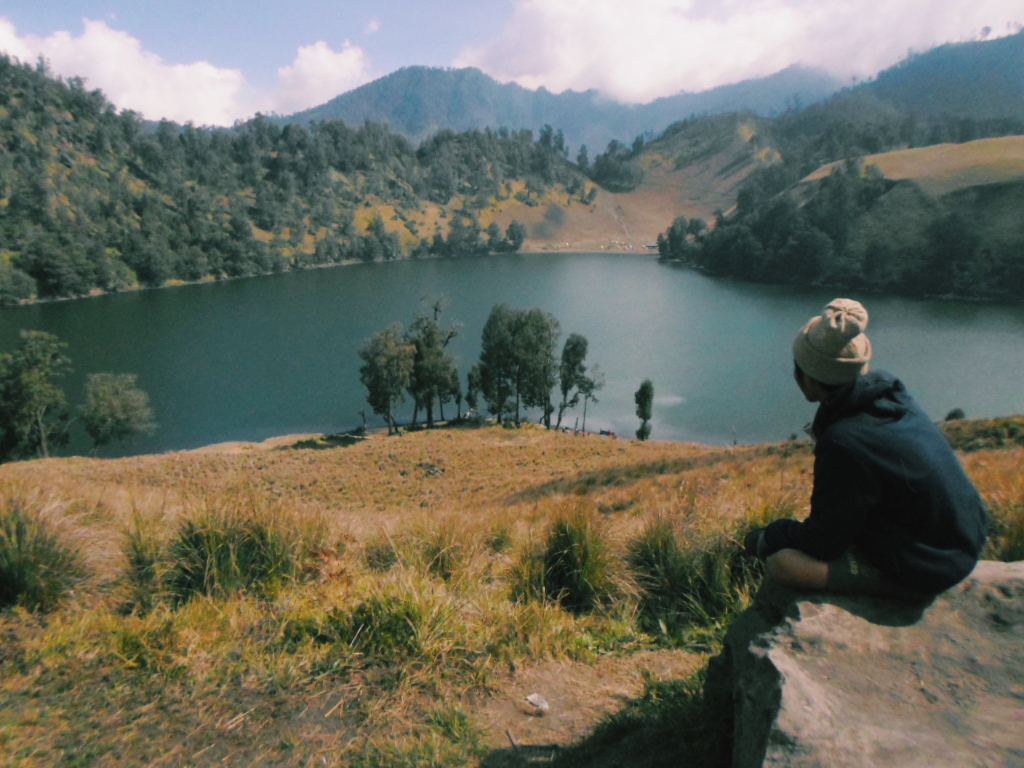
[[851, 574]]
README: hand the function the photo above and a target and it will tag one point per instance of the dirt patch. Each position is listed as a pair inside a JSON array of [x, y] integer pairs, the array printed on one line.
[[578, 695]]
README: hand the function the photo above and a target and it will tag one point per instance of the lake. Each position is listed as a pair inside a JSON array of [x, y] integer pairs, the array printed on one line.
[[250, 359]]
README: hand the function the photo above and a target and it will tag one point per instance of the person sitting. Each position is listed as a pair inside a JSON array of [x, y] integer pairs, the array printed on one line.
[[892, 510]]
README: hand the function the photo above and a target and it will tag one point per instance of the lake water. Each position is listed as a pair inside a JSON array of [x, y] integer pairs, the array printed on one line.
[[250, 359]]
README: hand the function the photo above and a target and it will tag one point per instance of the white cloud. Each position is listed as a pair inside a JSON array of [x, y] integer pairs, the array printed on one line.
[[372, 26], [133, 78], [318, 74], [640, 50]]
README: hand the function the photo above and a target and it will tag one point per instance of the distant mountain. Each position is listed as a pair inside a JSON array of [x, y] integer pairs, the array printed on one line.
[[981, 80], [419, 101]]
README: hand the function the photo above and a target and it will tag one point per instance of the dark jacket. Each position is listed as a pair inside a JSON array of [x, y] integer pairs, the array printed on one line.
[[887, 482]]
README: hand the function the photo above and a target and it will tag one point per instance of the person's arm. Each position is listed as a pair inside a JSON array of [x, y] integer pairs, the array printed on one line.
[[844, 491]]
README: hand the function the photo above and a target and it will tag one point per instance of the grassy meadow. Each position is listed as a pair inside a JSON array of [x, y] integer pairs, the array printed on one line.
[[475, 596]]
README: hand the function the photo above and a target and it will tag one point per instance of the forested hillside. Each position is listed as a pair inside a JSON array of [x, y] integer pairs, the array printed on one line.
[[850, 226], [95, 200], [980, 79]]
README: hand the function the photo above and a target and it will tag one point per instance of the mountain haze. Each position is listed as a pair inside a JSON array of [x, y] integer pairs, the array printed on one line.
[[419, 101]]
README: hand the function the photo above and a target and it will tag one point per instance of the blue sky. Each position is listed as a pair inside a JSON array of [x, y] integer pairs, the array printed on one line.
[[217, 61]]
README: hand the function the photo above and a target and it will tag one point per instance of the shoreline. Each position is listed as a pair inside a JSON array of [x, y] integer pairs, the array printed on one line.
[[209, 279]]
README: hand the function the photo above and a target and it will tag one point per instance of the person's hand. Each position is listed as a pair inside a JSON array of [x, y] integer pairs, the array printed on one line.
[[753, 542]]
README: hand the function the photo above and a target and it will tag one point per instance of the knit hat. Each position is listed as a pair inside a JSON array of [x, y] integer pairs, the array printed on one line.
[[832, 347]]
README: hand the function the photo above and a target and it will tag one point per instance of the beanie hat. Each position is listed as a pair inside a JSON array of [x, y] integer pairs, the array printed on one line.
[[832, 348]]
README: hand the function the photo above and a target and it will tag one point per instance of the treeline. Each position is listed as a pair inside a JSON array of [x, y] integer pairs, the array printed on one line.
[[858, 230], [96, 199], [519, 368]]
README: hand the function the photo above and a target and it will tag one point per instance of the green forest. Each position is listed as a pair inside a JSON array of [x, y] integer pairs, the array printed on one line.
[[93, 199]]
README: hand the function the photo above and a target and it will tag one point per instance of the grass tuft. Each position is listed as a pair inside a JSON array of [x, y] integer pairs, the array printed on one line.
[[577, 564], [386, 628], [223, 553], [686, 590], [36, 568], [142, 550], [381, 556], [443, 552], [1006, 529], [500, 538]]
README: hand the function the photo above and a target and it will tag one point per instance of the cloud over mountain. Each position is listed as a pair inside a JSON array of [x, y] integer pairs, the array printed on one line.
[[642, 50]]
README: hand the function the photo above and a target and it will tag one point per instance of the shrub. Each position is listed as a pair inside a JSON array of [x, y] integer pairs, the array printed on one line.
[[577, 565], [220, 554], [36, 567]]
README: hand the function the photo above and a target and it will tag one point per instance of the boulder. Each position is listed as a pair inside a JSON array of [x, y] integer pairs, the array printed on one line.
[[834, 681]]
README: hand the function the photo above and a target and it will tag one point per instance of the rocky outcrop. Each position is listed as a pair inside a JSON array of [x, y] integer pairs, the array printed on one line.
[[829, 681]]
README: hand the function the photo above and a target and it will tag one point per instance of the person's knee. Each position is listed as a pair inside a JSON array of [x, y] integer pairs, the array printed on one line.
[[795, 569]]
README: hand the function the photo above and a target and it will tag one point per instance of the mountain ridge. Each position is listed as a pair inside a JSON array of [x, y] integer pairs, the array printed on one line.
[[419, 101]]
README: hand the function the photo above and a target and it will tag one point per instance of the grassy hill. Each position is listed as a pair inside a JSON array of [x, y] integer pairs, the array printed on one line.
[[336, 600], [942, 169]]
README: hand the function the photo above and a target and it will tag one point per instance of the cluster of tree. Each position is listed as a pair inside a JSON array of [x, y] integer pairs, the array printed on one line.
[[856, 230], [467, 238], [518, 368], [34, 414], [95, 199], [415, 362], [617, 169]]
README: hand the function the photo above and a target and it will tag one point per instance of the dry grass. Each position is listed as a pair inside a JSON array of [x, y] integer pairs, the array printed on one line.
[[402, 658], [945, 168]]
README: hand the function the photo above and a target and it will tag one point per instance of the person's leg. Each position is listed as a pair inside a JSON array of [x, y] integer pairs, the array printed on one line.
[[848, 574], [797, 570]]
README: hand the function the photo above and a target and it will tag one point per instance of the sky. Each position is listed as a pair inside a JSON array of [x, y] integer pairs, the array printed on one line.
[[213, 62]]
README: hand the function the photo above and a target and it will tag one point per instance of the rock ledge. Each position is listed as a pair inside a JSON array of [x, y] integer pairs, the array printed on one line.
[[831, 681]]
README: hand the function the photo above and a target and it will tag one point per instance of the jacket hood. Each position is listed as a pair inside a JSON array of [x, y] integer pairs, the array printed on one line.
[[878, 393]]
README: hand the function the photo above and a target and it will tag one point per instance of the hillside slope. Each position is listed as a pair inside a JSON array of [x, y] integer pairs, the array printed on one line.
[[411, 634], [694, 169]]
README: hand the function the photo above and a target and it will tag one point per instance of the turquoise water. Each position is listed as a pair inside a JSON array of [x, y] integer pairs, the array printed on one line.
[[249, 359]]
